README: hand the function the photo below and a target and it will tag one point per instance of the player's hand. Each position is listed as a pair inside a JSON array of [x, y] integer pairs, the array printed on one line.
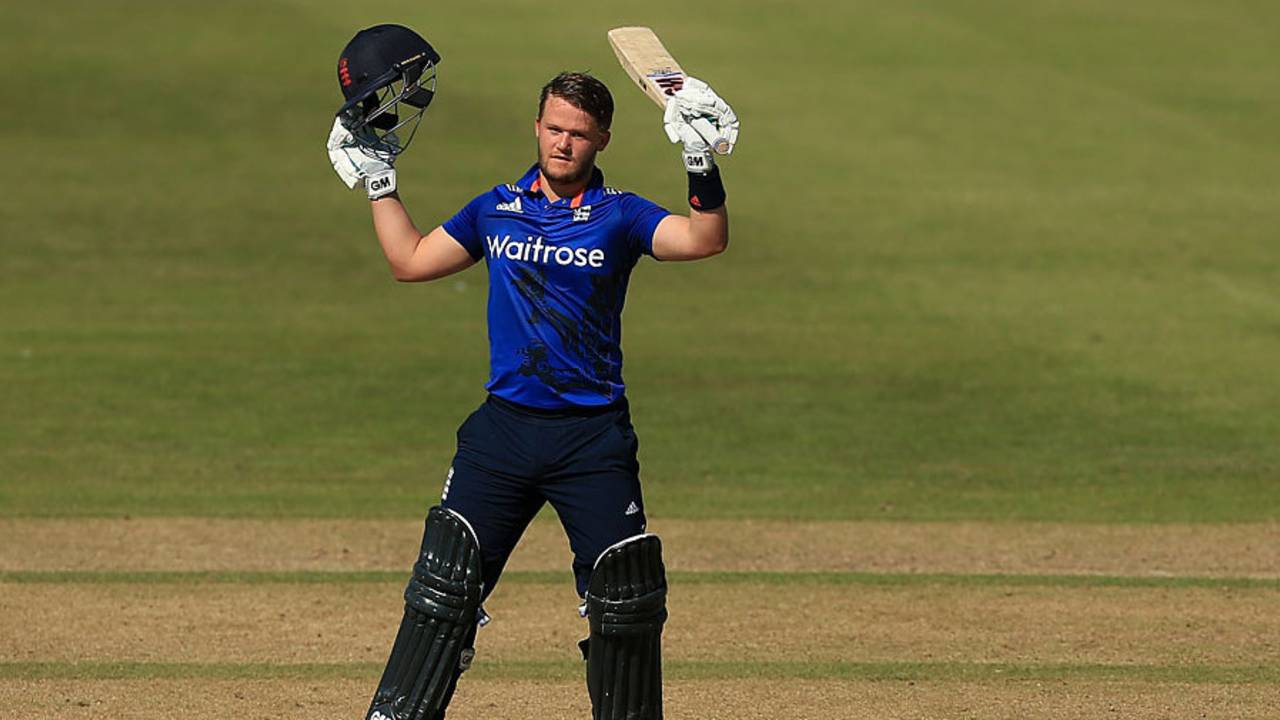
[[358, 166], [698, 100], [700, 119], [697, 151]]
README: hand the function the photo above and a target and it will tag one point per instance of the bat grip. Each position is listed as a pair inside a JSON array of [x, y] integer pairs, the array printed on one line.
[[709, 133]]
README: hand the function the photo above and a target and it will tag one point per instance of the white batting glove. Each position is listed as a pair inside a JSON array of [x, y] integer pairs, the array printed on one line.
[[358, 166], [700, 119], [697, 99]]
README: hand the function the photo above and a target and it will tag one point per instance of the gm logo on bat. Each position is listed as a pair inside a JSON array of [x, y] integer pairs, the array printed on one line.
[[670, 82]]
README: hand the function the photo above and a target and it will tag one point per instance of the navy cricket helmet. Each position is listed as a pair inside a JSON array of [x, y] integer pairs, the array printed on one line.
[[383, 68]]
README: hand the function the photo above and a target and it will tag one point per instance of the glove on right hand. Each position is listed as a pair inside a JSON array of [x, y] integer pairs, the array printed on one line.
[[357, 165]]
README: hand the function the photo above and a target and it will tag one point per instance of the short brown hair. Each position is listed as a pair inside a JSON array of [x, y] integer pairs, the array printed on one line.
[[583, 92]]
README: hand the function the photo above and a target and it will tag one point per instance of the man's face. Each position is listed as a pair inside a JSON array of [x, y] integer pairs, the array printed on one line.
[[568, 140]]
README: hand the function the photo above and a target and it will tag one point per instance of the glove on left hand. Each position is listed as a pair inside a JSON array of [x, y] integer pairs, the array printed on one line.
[[697, 117]]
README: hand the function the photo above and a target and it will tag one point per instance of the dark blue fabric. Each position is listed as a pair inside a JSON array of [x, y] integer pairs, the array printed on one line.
[[511, 460], [558, 275]]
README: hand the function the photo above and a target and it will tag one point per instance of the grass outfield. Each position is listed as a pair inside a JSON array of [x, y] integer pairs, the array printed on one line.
[[991, 260]]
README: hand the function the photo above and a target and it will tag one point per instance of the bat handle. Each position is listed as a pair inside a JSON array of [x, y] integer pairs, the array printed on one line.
[[709, 133]]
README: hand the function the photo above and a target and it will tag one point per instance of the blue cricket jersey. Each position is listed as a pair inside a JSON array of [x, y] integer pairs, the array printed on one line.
[[558, 275]]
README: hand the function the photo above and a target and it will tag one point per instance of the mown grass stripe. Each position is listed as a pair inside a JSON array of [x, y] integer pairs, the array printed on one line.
[[683, 577], [970, 580], [181, 577], [674, 670]]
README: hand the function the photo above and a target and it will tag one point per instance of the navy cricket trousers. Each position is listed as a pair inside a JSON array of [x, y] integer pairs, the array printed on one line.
[[512, 459]]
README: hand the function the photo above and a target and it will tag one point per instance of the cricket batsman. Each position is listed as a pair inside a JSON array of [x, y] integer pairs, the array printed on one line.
[[559, 245]]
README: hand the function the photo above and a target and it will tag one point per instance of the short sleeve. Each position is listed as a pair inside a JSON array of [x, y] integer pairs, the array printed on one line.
[[641, 218], [462, 227]]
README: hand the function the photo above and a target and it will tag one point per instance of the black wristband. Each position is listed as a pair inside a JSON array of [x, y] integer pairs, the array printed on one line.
[[706, 191]]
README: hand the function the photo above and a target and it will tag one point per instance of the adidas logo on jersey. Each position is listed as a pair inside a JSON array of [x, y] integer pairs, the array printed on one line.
[[633, 508], [513, 206]]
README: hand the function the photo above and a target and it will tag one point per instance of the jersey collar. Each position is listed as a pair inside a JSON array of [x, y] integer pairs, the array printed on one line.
[[531, 182]]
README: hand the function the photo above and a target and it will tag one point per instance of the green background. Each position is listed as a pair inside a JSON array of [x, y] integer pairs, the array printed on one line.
[[990, 260]]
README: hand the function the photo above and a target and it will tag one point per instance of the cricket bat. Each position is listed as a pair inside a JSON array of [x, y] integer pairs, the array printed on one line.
[[649, 64]]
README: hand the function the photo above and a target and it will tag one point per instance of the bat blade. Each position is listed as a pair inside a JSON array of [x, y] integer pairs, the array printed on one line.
[[648, 63]]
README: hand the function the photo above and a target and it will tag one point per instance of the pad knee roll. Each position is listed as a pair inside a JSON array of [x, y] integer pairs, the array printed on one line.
[[432, 646], [626, 609]]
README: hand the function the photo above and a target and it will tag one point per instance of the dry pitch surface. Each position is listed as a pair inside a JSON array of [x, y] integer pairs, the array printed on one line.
[[1243, 550], [198, 699], [233, 618]]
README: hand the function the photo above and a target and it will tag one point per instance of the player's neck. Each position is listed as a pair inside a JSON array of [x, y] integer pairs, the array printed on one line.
[[555, 190]]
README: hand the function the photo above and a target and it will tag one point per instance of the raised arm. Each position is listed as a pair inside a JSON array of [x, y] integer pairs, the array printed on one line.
[[698, 236], [705, 232], [412, 256]]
